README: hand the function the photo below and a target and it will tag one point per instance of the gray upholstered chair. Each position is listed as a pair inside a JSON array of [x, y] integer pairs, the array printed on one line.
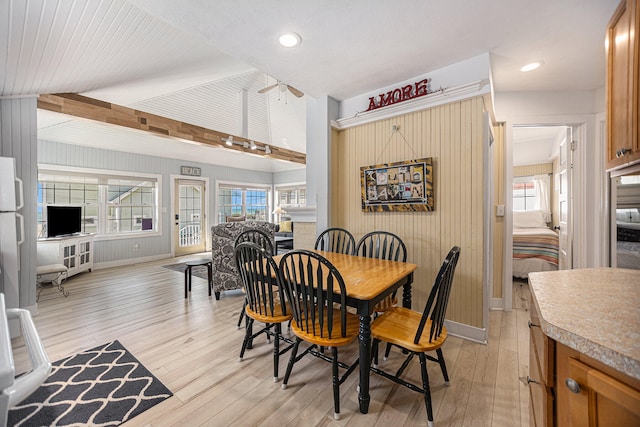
[[223, 237]]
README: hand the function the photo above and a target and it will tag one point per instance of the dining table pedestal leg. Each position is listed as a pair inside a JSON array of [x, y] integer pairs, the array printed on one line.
[[364, 338]]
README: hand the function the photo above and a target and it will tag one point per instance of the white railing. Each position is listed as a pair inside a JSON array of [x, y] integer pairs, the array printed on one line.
[[189, 235]]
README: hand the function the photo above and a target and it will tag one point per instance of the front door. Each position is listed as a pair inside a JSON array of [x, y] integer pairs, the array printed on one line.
[[565, 256], [189, 220]]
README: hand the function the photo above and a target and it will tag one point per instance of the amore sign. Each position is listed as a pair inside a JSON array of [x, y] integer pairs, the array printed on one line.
[[402, 94]]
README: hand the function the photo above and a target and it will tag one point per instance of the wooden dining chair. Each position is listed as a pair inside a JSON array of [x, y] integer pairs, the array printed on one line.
[[264, 297], [260, 238], [318, 300], [336, 239], [383, 245], [418, 333]]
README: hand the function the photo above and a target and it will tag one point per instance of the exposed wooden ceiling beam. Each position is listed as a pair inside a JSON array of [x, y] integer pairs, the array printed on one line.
[[88, 108]]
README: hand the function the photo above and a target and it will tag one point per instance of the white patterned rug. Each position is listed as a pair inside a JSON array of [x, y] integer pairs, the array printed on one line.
[[104, 386]]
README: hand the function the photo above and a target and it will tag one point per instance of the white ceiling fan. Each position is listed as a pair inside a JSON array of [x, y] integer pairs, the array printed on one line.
[[283, 87]]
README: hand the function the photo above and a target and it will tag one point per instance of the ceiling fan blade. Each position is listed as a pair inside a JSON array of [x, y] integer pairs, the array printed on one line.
[[268, 88], [295, 91]]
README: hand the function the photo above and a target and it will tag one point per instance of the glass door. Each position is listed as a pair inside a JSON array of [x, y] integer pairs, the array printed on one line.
[[189, 220]]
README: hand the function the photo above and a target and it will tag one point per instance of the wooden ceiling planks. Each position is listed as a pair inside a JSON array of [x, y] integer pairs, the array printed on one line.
[[93, 109]]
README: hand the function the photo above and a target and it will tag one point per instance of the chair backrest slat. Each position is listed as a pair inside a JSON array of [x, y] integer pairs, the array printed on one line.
[[337, 240], [259, 237], [436, 306], [260, 278], [382, 245], [312, 284]]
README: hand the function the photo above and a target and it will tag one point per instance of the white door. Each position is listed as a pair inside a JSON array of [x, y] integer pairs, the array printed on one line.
[[189, 221], [565, 202]]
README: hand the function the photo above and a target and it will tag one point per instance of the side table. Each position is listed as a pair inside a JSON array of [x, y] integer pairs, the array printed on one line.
[[187, 274]]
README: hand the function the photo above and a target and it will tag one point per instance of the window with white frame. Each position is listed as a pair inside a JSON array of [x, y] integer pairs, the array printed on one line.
[[113, 204], [532, 193], [248, 200], [524, 194], [291, 195]]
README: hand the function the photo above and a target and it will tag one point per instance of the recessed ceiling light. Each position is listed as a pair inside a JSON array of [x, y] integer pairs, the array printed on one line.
[[532, 66], [290, 40]]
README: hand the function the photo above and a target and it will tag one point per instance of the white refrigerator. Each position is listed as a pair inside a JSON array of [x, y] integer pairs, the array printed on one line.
[[11, 231], [15, 321]]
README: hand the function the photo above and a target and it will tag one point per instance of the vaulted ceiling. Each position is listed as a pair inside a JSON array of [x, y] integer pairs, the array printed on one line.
[[204, 62]]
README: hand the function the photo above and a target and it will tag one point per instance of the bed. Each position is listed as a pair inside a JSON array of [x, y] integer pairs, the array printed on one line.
[[535, 246]]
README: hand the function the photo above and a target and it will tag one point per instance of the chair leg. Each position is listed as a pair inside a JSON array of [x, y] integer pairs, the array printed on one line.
[[240, 318], [242, 314], [186, 282], [292, 360], [269, 332], [374, 351], [336, 384], [276, 351], [247, 336], [443, 366], [425, 386], [387, 351]]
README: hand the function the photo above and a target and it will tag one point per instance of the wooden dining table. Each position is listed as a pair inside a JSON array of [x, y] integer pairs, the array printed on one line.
[[367, 282]]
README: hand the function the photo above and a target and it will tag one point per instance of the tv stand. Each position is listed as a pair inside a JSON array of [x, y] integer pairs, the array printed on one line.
[[75, 252]]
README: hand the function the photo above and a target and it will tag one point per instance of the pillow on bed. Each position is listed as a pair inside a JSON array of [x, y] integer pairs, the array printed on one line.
[[529, 219]]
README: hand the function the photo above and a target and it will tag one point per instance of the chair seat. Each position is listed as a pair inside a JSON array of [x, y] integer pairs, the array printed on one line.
[[277, 316], [398, 326], [324, 340]]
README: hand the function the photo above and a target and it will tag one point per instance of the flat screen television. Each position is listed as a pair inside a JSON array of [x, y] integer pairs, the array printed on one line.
[[63, 220]]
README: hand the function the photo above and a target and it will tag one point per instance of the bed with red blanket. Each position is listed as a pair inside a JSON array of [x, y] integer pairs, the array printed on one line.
[[534, 249]]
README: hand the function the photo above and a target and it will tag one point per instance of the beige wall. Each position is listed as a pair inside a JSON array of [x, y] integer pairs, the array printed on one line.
[[529, 170], [498, 221], [452, 135]]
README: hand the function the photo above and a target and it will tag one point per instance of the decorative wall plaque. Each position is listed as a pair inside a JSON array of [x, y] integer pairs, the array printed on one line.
[[190, 170], [401, 187]]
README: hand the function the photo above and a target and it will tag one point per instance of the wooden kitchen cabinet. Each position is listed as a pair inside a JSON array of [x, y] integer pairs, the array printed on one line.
[[585, 350], [623, 86], [541, 371], [592, 394]]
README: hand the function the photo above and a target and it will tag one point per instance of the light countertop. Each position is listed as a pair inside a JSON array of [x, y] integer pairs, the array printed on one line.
[[595, 311]]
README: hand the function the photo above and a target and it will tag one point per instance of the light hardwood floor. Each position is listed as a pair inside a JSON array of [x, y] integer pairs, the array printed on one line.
[[192, 346]]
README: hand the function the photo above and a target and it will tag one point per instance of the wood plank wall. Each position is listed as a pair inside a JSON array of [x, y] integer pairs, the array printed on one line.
[[453, 135], [499, 198]]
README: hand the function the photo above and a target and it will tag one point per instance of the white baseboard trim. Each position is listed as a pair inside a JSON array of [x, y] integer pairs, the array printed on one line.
[[467, 332], [497, 304], [99, 265]]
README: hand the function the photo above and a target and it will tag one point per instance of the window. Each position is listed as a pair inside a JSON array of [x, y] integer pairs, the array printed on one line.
[[532, 193], [524, 195], [291, 196], [112, 204], [240, 199]]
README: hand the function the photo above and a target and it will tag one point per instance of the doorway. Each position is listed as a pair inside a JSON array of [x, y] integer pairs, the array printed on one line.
[[543, 150], [189, 216]]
